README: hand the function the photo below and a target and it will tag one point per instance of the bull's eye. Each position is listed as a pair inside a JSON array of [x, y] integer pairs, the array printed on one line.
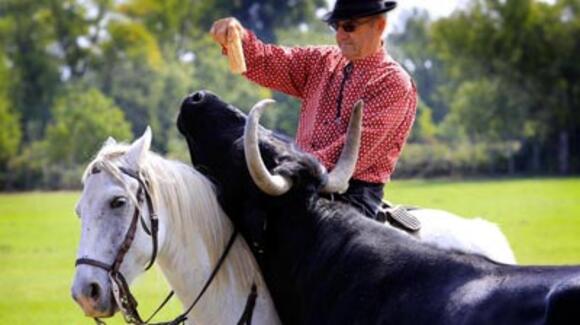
[[118, 202]]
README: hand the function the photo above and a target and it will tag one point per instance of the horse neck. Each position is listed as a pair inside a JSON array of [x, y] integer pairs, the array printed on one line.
[[195, 233]]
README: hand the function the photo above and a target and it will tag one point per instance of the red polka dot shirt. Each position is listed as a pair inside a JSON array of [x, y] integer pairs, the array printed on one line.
[[316, 75]]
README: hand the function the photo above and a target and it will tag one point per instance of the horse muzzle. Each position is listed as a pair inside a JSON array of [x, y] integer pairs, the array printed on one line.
[[94, 295]]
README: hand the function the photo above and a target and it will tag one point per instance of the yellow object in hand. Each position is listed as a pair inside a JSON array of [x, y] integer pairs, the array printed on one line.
[[236, 53]]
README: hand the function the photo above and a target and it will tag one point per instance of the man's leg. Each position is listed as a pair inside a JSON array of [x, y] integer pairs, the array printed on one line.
[[366, 197]]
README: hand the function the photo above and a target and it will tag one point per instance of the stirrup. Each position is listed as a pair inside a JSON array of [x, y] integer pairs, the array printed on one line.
[[399, 217]]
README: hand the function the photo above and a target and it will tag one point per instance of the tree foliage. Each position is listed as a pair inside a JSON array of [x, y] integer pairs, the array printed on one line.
[[513, 74], [9, 130], [82, 119], [498, 80], [265, 16]]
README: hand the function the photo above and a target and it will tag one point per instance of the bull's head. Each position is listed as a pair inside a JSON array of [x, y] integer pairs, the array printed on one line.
[[214, 131], [211, 128]]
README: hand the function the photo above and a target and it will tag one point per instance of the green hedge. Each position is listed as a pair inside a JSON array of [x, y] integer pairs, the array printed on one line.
[[459, 159]]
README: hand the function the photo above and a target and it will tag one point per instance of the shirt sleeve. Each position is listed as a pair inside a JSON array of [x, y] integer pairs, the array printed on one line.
[[388, 114], [285, 69]]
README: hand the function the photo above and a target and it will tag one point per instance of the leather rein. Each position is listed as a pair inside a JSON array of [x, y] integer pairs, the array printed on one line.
[[121, 293]]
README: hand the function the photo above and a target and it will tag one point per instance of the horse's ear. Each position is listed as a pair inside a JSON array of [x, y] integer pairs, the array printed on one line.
[[109, 142], [138, 149]]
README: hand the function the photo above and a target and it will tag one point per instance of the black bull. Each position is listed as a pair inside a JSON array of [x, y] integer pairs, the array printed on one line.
[[325, 263]]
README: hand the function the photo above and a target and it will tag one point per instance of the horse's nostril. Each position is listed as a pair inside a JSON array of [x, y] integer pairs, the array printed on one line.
[[94, 291]]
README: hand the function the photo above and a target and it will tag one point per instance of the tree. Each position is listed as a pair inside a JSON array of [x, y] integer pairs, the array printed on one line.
[[75, 32], [9, 124], [424, 129], [413, 46], [531, 46], [82, 120], [130, 70], [174, 21], [265, 16], [35, 76]]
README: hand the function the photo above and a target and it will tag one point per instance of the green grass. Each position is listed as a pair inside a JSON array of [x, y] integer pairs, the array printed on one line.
[[39, 234], [540, 217]]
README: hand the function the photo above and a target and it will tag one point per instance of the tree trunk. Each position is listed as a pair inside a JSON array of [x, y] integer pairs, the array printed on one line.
[[564, 153], [511, 164], [536, 151]]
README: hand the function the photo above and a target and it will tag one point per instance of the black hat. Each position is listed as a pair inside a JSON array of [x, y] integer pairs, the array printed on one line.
[[350, 9]]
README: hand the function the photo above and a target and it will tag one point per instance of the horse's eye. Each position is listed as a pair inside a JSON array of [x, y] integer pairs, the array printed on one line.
[[118, 202]]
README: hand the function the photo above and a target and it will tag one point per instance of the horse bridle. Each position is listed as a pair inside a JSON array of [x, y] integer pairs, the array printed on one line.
[[121, 293], [125, 300]]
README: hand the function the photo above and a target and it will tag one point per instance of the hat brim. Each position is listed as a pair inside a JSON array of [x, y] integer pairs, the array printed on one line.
[[346, 14]]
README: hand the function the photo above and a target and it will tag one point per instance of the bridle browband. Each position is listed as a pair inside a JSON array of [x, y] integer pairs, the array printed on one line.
[[121, 293]]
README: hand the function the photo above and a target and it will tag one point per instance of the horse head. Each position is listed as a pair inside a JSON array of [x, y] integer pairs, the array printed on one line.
[[116, 225]]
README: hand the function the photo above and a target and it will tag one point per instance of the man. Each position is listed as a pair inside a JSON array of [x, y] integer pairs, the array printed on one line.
[[329, 80]]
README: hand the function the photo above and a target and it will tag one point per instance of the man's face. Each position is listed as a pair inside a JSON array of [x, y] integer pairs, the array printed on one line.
[[359, 38]]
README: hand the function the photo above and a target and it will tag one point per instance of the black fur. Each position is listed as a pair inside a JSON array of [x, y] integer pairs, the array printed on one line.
[[325, 263]]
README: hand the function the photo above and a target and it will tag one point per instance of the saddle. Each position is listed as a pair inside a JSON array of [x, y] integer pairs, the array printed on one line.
[[398, 216]]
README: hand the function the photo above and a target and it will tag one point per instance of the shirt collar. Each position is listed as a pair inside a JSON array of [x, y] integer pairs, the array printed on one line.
[[373, 59]]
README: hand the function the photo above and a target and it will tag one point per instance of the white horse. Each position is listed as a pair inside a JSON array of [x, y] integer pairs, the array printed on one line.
[[449, 231], [193, 232]]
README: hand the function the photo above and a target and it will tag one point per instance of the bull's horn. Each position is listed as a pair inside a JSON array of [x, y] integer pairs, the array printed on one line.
[[274, 185], [345, 166]]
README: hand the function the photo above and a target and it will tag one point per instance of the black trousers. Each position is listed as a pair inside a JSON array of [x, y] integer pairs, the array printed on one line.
[[364, 196]]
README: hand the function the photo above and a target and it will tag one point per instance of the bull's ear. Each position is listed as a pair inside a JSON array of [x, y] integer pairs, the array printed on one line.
[[138, 149], [109, 142]]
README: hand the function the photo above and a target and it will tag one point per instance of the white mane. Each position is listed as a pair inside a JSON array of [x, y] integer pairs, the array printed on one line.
[[193, 211]]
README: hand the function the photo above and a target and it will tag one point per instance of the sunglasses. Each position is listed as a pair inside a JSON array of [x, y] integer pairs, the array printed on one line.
[[348, 26]]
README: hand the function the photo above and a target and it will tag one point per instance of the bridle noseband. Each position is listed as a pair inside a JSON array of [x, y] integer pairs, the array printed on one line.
[[125, 300]]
